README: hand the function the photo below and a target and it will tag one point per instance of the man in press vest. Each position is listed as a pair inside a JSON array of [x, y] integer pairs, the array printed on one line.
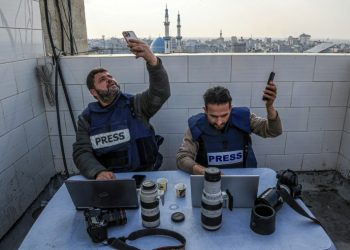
[[220, 137], [114, 133]]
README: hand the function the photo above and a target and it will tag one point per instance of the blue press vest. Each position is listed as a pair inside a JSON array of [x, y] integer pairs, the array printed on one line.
[[228, 148], [121, 141]]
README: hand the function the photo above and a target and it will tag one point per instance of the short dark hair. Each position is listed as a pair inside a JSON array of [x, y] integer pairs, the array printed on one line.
[[91, 77], [217, 95]]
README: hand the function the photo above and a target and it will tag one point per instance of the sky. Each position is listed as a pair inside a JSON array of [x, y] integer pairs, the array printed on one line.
[[322, 19]]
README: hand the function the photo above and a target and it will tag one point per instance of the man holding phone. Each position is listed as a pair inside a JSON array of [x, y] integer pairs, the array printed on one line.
[[114, 133], [220, 137]]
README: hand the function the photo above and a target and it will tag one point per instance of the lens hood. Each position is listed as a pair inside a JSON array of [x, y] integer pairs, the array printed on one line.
[[263, 219]]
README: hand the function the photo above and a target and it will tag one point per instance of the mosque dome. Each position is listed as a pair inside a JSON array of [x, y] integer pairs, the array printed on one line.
[[157, 45]]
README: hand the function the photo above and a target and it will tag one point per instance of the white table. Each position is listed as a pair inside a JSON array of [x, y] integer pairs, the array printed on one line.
[[60, 226]]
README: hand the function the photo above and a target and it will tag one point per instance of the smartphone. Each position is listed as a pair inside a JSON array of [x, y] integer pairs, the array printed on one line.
[[139, 178], [129, 34], [271, 77]]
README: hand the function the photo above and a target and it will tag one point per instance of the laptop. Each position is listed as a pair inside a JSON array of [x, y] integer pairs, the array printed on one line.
[[243, 188], [103, 194]]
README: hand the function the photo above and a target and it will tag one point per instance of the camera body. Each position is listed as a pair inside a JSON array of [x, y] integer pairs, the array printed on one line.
[[97, 221], [287, 180]]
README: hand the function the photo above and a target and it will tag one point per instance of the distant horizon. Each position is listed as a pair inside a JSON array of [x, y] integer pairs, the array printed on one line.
[[238, 37], [322, 19]]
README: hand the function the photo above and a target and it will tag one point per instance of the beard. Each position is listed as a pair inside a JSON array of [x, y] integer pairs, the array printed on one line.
[[107, 96]]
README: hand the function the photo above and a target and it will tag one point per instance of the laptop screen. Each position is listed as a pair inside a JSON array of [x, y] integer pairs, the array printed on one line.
[[243, 188], [103, 194]]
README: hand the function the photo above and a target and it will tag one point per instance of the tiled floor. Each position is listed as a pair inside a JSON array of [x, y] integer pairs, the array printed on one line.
[[325, 193]]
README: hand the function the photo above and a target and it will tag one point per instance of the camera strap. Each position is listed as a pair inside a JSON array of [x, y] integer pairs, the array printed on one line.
[[297, 208], [120, 243]]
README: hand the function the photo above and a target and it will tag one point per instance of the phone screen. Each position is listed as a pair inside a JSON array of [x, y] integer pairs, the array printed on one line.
[[138, 179]]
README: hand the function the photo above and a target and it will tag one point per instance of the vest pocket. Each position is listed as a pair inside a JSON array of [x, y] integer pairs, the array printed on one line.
[[147, 149]]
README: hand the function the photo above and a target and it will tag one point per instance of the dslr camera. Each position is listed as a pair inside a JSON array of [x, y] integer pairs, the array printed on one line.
[[287, 180], [97, 220], [271, 200]]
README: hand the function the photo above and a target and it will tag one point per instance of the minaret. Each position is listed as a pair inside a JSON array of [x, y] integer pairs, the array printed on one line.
[[178, 37], [166, 37]]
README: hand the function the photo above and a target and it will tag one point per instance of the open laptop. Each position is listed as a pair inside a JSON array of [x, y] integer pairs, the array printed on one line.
[[243, 188], [103, 194]]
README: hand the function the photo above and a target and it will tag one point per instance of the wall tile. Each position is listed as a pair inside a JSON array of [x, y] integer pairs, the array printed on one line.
[[187, 95], [2, 121], [311, 94], [283, 162], [294, 119], [75, 70], [241, 93], [169, 163], [304, 142], [125, 69], [175, 123], [251, 67], [7, 80], [51, 117], [331, 141], [36, 24], [17, 110], [67, 143], [294, 67], [176, 67], [347, 121], [36, 96], [14, 15], [13, 146], [36, 130], [7, 45], [25, 74], [269, 145], [213, 68], [9, 210], [68, 122], [326, 118], [343, 166], [325, 70], [323, 161], [345, 145], [37, 44], [340, 94]]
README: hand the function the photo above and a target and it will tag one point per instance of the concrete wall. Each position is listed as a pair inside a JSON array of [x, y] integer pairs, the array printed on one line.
[[313, 92], [26, 163], [78, 29]]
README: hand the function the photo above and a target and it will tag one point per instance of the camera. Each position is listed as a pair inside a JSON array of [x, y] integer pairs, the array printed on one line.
[[271, 200], [97, 220], [287, 180]]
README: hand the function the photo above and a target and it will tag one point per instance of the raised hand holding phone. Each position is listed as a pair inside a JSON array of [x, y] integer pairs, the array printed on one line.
[[271, 77]]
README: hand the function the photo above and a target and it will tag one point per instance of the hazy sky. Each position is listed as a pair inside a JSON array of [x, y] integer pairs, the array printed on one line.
[[205, 18]]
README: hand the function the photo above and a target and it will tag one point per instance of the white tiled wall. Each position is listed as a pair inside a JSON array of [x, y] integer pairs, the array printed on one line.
[[26, 162], [312, 105]]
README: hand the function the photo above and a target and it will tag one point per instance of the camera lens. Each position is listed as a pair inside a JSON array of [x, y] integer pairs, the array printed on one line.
[[212, 200], [149, 204], [263, 219], [270, 197]]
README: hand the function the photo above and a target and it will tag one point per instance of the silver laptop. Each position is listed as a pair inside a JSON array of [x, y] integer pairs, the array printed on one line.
[[243, 188], [103, 194]]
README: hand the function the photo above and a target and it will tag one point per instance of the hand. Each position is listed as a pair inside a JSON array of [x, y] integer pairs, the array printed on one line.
[[105, 175], [270, 94], [141, 49], [198, 169]]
